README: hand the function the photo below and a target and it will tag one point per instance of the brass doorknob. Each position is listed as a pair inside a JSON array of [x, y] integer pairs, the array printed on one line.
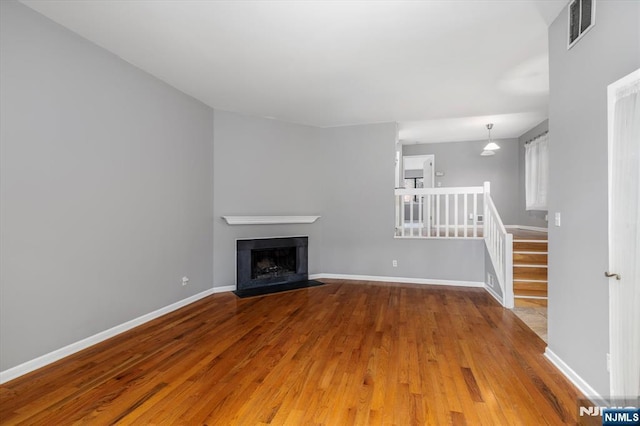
[[608, 275]]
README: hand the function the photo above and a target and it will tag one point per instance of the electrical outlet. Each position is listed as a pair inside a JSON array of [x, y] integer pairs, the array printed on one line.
[[490, 280], [394, 263], [557, 218], [185, 280]]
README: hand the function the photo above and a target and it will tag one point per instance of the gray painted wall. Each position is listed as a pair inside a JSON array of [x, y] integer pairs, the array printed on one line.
[[490, 270], [359, 214], [106, 189], [578, 291], [113, 186], [531, 217], [265, 167], [269, 167], [463, 166]]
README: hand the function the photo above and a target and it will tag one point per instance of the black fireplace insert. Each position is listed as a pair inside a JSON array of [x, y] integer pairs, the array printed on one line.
[[271, 262]]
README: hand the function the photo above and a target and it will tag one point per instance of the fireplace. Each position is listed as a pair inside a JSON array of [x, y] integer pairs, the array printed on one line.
[[271, 262]]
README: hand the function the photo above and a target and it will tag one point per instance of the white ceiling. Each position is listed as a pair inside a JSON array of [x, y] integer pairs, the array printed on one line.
[[439, 68]]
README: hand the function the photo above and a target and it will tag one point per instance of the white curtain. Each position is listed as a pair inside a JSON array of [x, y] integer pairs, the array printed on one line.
[[624, 239], [536, 162]]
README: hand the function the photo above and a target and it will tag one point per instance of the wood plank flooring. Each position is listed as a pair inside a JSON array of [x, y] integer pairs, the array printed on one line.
[[341, 354], [526, 234]]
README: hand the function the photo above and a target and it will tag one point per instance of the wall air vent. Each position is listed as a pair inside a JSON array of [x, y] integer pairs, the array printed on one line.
[[582, 17]]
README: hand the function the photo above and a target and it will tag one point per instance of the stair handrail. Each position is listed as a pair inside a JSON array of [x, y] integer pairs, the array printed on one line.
[[499, 244]]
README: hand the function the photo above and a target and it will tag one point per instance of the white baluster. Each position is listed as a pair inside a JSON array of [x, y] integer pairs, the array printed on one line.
[[446, 214], [455, 214], [437, 215], [475, 215], [428, 197], [411, 215], [402, 203], [465, 215], [420, 223]]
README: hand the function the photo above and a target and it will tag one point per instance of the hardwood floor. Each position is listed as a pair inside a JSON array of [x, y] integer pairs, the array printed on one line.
[[343, 353]]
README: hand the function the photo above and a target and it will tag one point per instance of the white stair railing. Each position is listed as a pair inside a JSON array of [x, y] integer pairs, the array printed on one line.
[[453, 213], [439, 212], [500, 247]]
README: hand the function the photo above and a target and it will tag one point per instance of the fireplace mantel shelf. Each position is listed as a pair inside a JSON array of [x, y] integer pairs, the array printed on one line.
[[268, 220]]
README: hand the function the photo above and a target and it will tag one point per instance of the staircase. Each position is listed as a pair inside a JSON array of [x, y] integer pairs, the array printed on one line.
[[530, 272]]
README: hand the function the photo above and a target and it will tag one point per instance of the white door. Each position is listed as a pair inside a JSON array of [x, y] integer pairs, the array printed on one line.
[[624, 237]]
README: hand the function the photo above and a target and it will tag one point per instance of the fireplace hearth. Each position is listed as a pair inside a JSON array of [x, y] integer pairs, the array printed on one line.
[[269, 265]]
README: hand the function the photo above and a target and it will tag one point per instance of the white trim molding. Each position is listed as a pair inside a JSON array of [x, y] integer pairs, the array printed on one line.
[[268, 220], [419, 237], [403, 280], [46, 359], [527, 228], [574, 378]]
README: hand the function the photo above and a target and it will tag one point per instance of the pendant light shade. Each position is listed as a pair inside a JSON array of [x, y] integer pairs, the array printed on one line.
[[491, 145]]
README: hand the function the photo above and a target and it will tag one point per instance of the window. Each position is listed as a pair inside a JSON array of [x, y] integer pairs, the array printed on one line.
[[536, 170]]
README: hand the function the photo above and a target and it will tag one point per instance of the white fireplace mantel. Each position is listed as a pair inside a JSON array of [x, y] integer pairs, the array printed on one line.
[[268, 220]]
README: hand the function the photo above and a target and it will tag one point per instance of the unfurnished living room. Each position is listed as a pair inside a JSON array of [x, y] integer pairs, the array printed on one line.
[[319, 212]]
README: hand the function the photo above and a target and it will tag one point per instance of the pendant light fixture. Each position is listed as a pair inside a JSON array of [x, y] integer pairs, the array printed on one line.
[[491, 146]]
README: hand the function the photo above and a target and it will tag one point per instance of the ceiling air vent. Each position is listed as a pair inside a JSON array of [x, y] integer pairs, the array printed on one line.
[[582, 17]]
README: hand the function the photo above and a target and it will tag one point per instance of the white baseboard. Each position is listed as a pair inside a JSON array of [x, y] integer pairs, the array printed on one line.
[[53, 356], [527, 228], [574, 378], [398, 280], [223, 289]]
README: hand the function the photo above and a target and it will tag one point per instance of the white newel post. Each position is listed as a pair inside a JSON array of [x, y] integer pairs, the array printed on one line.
[[508, 269]]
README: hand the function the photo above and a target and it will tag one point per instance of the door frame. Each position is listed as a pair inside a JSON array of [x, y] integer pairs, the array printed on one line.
[[611, 101], [432, 157]]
